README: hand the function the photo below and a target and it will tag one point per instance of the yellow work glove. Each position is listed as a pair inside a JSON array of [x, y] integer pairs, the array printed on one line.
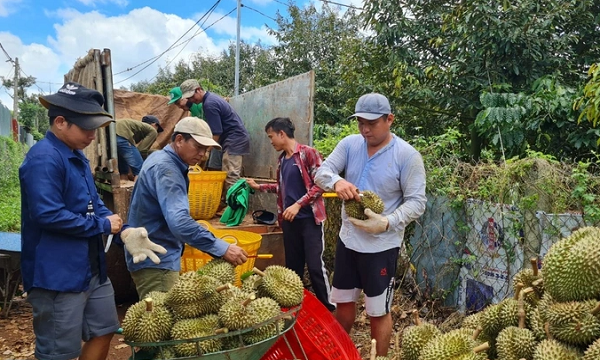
[[139, 245], [375, 223]]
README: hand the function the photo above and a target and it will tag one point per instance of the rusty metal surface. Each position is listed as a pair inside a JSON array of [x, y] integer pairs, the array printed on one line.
[[291, 98]]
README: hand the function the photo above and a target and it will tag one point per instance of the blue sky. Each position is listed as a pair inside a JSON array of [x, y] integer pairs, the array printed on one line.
[[49, 35]]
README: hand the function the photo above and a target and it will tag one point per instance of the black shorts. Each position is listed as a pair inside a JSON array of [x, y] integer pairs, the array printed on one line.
[[373, 273]]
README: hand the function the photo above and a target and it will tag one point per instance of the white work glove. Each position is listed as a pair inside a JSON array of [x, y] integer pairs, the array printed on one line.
[[139, 246], [375, 224]]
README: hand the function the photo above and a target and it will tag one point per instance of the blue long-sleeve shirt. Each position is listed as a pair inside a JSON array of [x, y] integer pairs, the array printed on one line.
[[395, 173], [159, 203], [57, 225]]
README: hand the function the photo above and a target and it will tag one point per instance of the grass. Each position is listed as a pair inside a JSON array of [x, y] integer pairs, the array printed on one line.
[[11, 157]]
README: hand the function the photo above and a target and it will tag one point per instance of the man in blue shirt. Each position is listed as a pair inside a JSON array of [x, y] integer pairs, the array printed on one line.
[[226, 126], [62, 223], [159, 203], [367, 250]]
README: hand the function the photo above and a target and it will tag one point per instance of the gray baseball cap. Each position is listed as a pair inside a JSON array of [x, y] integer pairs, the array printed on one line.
[[188, 88], [371, 107]]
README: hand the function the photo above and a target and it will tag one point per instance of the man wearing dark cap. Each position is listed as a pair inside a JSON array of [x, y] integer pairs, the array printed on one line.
[[159, 203], [367, 250], [134, 139], [62, 223], [226, 125]]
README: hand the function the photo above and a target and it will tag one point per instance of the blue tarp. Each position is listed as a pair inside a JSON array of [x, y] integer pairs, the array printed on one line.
[[10, 241]]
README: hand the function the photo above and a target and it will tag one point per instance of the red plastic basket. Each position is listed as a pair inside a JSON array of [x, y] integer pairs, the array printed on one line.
[[317, 335]]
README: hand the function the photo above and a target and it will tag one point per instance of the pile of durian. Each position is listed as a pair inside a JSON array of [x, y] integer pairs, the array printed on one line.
[[203, 303], [554, 315]]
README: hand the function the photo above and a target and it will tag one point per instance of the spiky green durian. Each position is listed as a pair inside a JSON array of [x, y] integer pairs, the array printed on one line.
[[282, 284], [536, 324], [264, 309], [472, 321], [572, 267], [490, 320], [154, 324], [575, 323], [133, 314], [185, 289], [416, 337], [220, 269], [553, 350], [235, 314], [593, 351], [191, 329], [515, 343], [452, 345], [369, 200]]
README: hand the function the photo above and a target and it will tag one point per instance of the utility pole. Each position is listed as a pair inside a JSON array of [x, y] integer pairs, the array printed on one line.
[[237, 49], [16, 89]]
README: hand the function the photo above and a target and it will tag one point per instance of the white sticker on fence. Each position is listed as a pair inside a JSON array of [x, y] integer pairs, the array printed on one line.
[[493, 253]]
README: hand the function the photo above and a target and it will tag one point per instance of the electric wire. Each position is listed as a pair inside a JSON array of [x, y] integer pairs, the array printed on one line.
[[169, 48]]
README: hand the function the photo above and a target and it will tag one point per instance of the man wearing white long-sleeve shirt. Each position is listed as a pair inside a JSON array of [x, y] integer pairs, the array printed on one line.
[[367, 250]]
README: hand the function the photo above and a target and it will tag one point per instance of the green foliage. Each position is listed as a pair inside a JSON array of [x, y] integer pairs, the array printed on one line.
[[33, 116], [589, 103], [11, 157], [326, 137], [445, 54]]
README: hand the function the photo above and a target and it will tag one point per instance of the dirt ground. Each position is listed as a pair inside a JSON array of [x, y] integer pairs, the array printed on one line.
[[17, 340]]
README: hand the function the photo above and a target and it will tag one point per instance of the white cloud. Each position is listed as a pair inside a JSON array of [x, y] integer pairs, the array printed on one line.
[[7, 7], [132, 38], [93, 3], [35, 60], [228, 26]]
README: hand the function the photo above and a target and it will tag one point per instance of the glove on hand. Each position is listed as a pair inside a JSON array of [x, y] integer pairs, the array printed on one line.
[[139, 246], [375, 223]]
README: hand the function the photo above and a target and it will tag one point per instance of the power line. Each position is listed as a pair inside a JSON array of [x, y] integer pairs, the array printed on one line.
[[340, 4], [170, 47], [198, 32], [5, 53], [267, 16]]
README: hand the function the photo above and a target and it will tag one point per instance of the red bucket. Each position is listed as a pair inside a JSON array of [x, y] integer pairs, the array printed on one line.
[[317, 335]]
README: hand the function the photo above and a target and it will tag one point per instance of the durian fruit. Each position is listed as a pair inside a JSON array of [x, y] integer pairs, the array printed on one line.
[[490, 320], [264, 309], [235, 315], [154, 324], [527, 276], [164, 353], [158, 297], [575, 323], [191, 329], [282, 284], [416, 337], [130, 321], [472, 321], [145, 322], [195, 295], [455, 344], [251, 284], [509, 309], [551, 349], [536, 324], [593, 351], [515, 343], [220, 269], [369, 200], [572, 266]]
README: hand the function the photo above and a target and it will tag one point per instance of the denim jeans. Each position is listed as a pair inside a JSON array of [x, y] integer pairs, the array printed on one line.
[[129, 157]]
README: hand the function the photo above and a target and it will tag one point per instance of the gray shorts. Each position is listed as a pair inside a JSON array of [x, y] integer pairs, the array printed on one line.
[[61, 320]]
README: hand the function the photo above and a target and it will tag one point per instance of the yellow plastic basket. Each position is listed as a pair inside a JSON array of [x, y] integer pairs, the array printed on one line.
[[193, 259], [204, 193]]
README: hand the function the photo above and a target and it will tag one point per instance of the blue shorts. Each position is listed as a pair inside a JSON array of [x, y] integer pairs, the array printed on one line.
[[61, 320], [371, 273]]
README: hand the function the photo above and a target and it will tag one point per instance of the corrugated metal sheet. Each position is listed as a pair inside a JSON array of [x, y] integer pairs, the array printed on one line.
[[291, 98], [5, 121]]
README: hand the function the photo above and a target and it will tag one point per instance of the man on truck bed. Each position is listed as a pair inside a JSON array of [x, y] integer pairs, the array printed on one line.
[[134, 139]]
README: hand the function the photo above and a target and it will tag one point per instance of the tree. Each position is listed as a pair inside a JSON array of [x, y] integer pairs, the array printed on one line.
[[310, 39], [445, 54], [33, 116]]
